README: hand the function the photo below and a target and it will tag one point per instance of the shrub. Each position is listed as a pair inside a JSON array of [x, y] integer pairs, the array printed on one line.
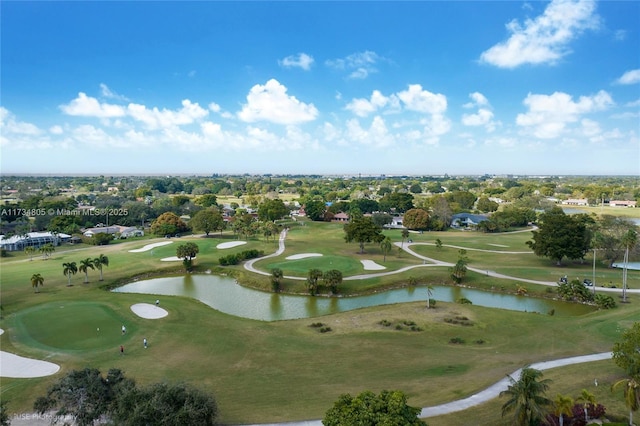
[[465, 301], [432, 303], [385, 323], [604, 301], [479, 342], [234, 259], [456, 340], [325, 329], [316, 325]]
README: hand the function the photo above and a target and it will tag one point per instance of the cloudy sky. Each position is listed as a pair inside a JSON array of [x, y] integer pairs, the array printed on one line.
[[321, 87]]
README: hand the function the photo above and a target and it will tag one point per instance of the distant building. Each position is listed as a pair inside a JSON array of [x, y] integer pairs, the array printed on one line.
[[576, 202], [622, 203], [464, 220], [340, 217], [123, 231], [31, 239]]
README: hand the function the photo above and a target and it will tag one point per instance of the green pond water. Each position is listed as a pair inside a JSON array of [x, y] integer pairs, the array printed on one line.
[[225, 295]]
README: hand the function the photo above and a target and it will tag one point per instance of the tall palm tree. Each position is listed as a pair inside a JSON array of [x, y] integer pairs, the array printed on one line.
[[631, 395], [405, 235], [526, 397], [29, 250], [99, 262], [37, 280], [429, 294], [629, 240], [69, 269], [385, 246], [562, 405], [587, 398], [276, 276], [85, 265]]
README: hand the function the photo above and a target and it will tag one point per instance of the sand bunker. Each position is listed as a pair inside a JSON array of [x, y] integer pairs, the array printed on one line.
[[303, 256], [19, 367], [230, 244], [370, 265], [172, 259], [148, 311], [150, 247]]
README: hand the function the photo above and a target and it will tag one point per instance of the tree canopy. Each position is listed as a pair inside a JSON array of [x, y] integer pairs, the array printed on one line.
[[168, 224], [390, 408], [626, 353], [561, 235], [87, 396], [362, 230], [417, 219], [207, 220]]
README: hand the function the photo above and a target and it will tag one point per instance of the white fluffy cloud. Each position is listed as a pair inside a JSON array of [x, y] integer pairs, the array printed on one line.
[[155, 118], [301, 60], [430, 106], [415, 98], [483, 116], [363, 107], [88, 106], [629, 77], [549, 115], [270, 102], [544, 39]]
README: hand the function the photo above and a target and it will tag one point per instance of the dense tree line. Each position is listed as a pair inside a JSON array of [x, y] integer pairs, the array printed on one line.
[[88, 395]]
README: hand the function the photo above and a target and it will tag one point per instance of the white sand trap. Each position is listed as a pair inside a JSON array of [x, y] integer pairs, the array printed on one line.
[[370, 265], [172, 259], [150, 247], [230, 244], [148, 311], [19, 367], [303, 256]]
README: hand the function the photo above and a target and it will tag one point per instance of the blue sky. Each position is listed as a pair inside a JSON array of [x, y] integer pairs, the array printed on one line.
[[321, 87]]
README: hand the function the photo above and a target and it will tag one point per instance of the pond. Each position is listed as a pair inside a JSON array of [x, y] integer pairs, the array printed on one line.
[[225, 295]]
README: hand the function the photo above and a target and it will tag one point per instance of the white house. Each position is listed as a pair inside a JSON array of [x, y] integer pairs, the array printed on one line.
[[31, 239]]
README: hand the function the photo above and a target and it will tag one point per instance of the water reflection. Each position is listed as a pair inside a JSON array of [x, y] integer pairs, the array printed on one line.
[[225, 295]]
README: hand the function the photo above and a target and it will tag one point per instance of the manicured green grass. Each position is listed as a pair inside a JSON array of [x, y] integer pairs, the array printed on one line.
[[266, 372]]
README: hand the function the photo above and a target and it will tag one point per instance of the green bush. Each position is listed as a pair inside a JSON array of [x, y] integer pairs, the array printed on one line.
[[604, 301], [465, 301], [234, 259], [456, 340]]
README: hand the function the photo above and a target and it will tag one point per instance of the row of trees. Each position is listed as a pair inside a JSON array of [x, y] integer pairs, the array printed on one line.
[[71, 268]]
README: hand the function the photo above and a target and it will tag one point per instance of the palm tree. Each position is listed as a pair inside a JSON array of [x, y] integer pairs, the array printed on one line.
[[69, 269], [563, 405], [631, 395], [37, 280], [276, 276], [526, 397], [429, 294], [629, 240], [29, 250], [385, 246], [46, 250], [99, 262], [85, 265], [312, 280], [405, 235], [587, 398]]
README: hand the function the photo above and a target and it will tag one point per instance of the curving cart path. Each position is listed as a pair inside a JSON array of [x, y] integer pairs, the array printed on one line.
[[483, 396]]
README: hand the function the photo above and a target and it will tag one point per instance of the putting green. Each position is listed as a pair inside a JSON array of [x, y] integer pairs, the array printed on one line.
[[73, 326], [301, 267]]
